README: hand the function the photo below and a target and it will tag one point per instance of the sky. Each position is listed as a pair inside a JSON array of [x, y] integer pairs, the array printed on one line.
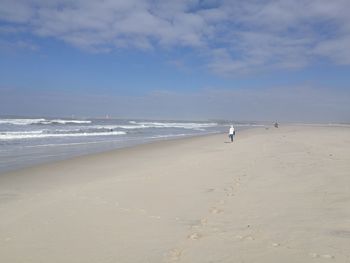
[[286, 60]]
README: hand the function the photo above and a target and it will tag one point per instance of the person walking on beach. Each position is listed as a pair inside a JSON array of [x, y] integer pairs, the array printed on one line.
[[231, 133]]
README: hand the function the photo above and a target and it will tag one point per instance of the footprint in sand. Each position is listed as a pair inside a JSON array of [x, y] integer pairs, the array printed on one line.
[[194, 236], [174, 255], [203, 221], [229, 191], [237, 181], [210, 190], [215, 210], [200, 223]]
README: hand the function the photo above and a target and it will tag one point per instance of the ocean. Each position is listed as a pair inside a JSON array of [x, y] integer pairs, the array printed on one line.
[[28, 141]]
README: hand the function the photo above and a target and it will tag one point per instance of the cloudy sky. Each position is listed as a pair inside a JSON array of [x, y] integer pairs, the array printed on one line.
[[180, 59]]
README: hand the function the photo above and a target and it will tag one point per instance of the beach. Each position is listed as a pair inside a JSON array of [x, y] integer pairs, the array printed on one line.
[[273, 195]]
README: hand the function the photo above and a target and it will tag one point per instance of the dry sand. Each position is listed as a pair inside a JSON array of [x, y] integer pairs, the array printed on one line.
[[276, 195]]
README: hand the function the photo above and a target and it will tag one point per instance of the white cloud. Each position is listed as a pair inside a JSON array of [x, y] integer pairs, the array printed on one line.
[[249, 35], [335, 49]]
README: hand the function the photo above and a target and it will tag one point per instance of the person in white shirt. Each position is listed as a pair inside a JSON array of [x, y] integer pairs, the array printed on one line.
[[231, 133]]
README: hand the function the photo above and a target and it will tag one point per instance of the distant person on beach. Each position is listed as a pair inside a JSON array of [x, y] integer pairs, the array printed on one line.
[[231, 133], [276, 124]]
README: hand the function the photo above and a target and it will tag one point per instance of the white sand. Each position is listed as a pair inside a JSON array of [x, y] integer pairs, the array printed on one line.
[[277, 195]]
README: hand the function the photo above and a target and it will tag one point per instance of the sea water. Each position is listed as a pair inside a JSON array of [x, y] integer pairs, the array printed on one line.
[[29, 141]]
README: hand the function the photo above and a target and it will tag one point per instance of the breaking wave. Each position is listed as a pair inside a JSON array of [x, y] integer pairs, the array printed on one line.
[[41, 134], [41, 121], [183, 125]]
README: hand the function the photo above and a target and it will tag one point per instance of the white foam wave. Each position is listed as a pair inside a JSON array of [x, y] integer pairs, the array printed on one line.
[[21, 132], [112, 127], [59, 121], [41, 121], [36, 135], [183, 125], [21, 121]]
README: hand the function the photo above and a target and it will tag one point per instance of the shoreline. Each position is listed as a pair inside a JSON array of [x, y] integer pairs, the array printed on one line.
[[96, 152], [128, 147], [69, 154], [26, 142], [272, 195]]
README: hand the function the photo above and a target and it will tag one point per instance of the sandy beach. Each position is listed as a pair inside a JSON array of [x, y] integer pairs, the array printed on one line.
[[273, 195]]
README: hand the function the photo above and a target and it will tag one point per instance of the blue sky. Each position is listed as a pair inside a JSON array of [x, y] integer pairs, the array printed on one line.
[[256, 60]]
